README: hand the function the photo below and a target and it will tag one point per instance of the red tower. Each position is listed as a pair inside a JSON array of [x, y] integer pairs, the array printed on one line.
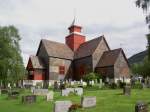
[[75, 38]]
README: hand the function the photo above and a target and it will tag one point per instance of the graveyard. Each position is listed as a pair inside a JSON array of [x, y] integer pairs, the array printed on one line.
[[107, 100]]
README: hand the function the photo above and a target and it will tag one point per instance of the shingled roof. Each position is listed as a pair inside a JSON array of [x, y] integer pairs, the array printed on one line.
[[36, 62], [57, 49], [109, 58], [87, 48]]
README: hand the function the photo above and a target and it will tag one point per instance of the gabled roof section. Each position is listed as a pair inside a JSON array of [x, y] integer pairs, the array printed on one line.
[[35, 62], [87, 48], [56, 49], [109, 58]]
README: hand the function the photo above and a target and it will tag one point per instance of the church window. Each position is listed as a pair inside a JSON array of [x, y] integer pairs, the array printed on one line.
[[62, 70]]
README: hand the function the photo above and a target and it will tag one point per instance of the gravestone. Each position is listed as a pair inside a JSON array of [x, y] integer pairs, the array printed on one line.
[[88, 102], [40, 92], [79, 91], [62, 106], [29, 99], [32, 89], [4, 91], [127, 90], [49, 96], [13, 94], [70, 90], [141, 107], [64, 92], [56, 86]]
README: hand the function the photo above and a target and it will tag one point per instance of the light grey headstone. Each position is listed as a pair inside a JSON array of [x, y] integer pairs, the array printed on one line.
[[62, 106], [64, 92], [70, 90], [32, 89], [88, 102], [40, 92], [79, 91], [49, 96]]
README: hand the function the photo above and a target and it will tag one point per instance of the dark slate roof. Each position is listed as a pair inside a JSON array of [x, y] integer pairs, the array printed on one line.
[[109, 58], [36, 62], [87, 48], [56, 49]]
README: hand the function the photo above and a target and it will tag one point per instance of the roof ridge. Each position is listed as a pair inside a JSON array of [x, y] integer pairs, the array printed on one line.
[[53, 41], [91, 40]]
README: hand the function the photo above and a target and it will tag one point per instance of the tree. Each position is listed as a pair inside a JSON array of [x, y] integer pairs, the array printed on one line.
[[142, 68], [11, 64], [145, 5], [91, 76]]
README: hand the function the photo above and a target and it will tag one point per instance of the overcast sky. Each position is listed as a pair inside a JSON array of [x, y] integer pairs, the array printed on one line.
[[120, 21]]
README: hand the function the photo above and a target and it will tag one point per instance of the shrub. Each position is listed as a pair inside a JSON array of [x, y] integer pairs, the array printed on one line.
[[137, 85], [74, 107], [91, 76], [113, 85], [121, 84]]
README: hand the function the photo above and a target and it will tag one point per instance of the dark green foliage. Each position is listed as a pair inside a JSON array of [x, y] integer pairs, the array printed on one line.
[[121, 84], [74, 107], [142, 68], [148, 39], [137, 85], [113, 85], [11, 64], [91, 76], [145, 5]]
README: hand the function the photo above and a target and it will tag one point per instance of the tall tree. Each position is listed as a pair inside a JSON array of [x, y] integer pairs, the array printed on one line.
[[145, 5], [11, 64]]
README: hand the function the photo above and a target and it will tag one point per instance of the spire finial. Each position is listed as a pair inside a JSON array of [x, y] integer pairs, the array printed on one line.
[[74, 19]]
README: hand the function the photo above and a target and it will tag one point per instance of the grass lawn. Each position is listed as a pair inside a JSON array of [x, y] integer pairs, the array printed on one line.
[[107, 101]]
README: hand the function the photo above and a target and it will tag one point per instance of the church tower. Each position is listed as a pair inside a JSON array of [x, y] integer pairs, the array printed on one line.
[[75, 37]]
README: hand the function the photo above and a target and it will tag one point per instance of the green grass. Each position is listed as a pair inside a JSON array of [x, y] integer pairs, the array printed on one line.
[[107, 101]]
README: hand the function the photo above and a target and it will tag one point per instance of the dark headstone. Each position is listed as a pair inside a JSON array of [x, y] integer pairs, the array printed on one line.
[[13, 94], [4, 91], [127, 90], [29, 99], [56, 86], [141, 107]]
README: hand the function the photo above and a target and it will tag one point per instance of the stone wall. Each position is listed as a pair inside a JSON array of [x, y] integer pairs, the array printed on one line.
[[54, 64], [121, 68], [102, 47], [82, 66]]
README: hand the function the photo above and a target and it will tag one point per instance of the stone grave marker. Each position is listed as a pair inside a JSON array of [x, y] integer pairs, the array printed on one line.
[[62, 106], [70, 90], [40, 92], [13, 94], [79, 91], [64, 92], [56, 86], [141, 107], [32, 89], [29, 99], [127, 90], [88, 102], [49, 96]]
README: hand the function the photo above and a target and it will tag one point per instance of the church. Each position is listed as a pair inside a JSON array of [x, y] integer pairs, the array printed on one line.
[[77, 57]]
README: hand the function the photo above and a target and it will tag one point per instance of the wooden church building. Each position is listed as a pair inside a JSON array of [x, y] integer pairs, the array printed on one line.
[[76, 58]]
